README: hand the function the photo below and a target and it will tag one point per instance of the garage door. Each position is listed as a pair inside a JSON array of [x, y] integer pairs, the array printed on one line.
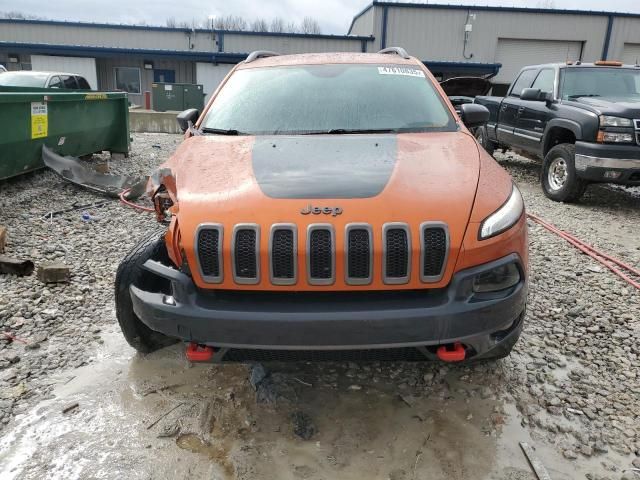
[[210, 76], [80, 66], [514, 54], [631, 53]]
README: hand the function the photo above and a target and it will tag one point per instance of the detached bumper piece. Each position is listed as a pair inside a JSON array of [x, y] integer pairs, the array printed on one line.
[[450, 324]]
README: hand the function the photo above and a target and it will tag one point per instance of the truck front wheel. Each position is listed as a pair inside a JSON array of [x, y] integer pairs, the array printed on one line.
[[559, 179], [130, 271]]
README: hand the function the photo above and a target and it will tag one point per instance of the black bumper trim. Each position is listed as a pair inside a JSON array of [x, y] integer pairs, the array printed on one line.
[[397, 319]]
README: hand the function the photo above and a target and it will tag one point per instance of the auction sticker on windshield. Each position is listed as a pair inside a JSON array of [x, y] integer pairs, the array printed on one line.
[[410, 72]]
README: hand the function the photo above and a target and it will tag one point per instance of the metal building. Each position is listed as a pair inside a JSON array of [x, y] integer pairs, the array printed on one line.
[[485, 38], [450, 40]]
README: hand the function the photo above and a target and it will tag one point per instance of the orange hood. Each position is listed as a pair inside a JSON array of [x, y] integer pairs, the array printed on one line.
[[372, 179]]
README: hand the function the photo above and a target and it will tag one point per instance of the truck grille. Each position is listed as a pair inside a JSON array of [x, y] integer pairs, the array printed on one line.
[[245, 254], [320, 254], [208, 251], [283, 254], [434, 240]]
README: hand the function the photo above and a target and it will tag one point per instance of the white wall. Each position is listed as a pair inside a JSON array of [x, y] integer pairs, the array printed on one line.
[[81, 66], [210, 76]]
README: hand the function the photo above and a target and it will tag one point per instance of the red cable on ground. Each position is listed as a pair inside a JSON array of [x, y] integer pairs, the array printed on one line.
[[131, 204], [13, 338], [593, 252]]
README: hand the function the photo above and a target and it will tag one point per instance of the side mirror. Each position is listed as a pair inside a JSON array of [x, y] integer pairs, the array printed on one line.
[[474, 115], [536, 95], [183, 118]]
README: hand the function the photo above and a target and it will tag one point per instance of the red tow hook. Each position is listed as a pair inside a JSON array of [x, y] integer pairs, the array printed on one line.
[[452, 353], [199, 353]]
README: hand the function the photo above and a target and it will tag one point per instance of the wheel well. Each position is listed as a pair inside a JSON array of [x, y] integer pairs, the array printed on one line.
[[556, 136]]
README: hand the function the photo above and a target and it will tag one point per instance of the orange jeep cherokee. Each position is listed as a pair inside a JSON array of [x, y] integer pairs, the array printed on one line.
[[330, 206]]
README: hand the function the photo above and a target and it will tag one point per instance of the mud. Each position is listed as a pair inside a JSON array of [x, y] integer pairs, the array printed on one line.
[[160, 417]]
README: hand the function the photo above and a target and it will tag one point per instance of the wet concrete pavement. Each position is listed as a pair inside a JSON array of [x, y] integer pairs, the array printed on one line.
[[160, 417]]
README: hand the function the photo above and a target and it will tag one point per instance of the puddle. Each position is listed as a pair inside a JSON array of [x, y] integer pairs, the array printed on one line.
[[159, 417]]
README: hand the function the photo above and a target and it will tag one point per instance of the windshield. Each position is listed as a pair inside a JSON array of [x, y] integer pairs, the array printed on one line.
[[12, 79], [338, 98], [600, 82]]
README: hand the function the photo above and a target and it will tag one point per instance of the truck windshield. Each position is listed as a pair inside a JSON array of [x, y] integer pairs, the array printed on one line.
[[600, 82], [336, 98], [11, 79]]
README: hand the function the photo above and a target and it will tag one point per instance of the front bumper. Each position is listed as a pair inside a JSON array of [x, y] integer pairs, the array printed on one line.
[[336, 320], [608, 163]]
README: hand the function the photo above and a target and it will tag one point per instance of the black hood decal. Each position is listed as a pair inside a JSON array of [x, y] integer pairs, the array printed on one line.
[[326, 166]]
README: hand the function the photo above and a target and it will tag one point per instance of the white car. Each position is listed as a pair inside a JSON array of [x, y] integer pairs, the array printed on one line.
[[2, 69]]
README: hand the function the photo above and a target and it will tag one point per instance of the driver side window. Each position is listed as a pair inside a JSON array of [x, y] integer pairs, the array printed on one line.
[[524, 81], [545, 80]]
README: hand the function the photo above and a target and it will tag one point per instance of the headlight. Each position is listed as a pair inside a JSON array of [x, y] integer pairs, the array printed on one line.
[[608, 121], [611, 137], [162, 203], [496, 279], [503, 218]]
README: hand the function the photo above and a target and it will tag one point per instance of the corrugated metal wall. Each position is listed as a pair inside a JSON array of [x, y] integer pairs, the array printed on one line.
[[438, 34], [626, 30], [363, 25], [105, 37], [238, 43]]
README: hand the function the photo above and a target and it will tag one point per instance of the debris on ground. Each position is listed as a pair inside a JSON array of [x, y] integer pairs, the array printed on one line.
[[75, 171], [14, 266], [3, 238], [54, 272], [303, 426], [69, 407]]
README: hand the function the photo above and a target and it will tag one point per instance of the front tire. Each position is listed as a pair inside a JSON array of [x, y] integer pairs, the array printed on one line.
[[559, 179], [483, 139], [130, 272]]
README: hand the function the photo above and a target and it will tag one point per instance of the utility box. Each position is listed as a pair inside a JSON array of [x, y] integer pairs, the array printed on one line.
[[177, 96]]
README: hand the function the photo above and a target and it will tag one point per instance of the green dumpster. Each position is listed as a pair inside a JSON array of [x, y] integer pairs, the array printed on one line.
[[74, 123], [177, 96]]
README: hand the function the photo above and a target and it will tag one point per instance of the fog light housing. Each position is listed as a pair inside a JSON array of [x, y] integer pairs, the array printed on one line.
[[497, 279], [612, 174]]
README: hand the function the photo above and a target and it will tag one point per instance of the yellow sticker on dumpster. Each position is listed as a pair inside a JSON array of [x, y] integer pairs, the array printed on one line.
[[39, 120]]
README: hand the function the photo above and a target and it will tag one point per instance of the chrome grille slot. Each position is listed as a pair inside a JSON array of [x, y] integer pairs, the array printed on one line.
[[209, 252], [358, 254], [320, 254], [282, 254], [396, 253], [245, 254], [434, 250]]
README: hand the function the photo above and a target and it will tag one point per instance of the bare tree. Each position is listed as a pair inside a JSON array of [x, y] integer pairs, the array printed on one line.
[[546, 4], [230, 22], [291, 27], [309, 25], [259, 25], [277, 25], [19, 16], [171, 22]]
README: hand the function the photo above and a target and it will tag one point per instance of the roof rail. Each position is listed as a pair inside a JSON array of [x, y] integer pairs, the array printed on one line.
[[395, 50], [260, 54]]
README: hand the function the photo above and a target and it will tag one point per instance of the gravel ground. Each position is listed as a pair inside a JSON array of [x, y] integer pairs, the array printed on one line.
[[573, 379]]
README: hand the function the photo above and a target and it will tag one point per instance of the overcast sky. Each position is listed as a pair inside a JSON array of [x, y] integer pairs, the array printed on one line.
[[334, 16]]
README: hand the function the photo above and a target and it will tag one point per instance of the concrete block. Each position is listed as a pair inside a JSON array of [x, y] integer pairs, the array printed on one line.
[[54, 272], [3, 238]]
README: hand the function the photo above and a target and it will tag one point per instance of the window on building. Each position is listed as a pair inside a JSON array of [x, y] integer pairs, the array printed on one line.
[[523, 81], [545, 80], [128, 79]]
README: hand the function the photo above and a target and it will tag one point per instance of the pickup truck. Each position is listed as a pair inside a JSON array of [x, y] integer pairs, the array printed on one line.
[[582, 120]]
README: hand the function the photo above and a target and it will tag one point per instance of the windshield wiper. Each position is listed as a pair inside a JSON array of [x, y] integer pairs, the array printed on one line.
[[344, 131], [584, 95], [221, 131]]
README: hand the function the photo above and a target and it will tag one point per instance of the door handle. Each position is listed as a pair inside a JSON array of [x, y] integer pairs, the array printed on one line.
[[503, 108], [520, 110]]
